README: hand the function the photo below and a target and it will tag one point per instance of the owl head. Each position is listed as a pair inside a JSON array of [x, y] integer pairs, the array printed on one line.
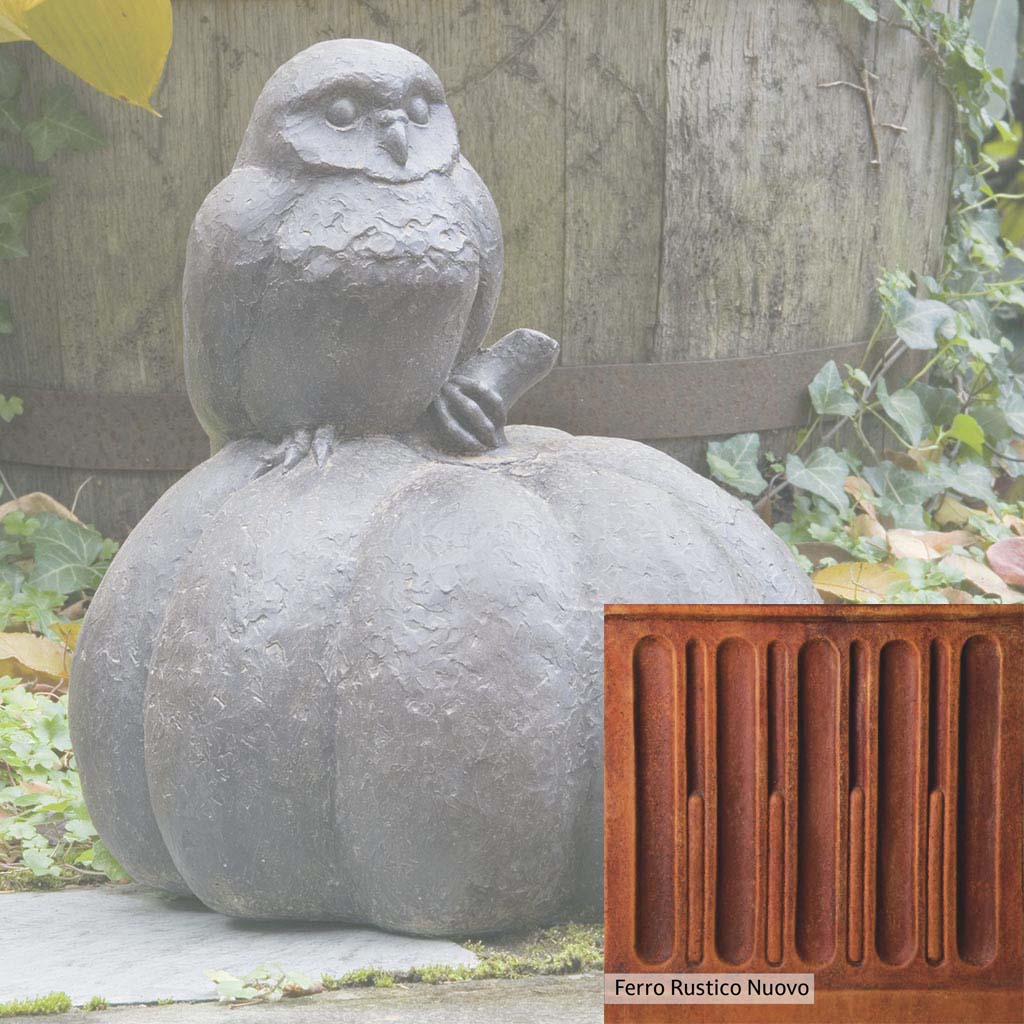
[[353, 105]]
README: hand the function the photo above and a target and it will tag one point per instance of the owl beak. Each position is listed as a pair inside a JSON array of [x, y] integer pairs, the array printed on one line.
[[395, 142]]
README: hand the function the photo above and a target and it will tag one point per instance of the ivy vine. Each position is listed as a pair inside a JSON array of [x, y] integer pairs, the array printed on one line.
[[933, 512]]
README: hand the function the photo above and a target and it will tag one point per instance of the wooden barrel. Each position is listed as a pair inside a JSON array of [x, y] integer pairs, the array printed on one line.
[[690, 205]]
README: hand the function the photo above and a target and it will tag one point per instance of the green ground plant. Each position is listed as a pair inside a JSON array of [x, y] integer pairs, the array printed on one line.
[[933, 511], [50, 564], [55, 1002]]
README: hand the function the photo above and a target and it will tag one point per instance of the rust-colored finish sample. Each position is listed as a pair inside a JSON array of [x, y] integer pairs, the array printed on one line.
[[827, 789]]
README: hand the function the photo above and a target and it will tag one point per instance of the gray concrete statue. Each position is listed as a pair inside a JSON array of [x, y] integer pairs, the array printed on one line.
[[350, 667]]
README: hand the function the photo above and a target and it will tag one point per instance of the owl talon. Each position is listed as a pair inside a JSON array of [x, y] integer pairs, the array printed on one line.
[[296, 448], [450, 433], [323, 444], [468, 417], [293, 449], [469, 407]]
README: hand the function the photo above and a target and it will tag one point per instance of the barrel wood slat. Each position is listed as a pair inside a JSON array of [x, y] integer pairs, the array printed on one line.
[[866, 823], [680, 200]]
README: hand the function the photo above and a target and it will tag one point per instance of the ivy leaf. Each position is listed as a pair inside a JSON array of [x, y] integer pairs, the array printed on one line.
[[734, 462], [917, 321], [971, 479], [1013, 409], [61, 127], [12, 245], [904, 408], [827, 394], [992, 421], [18, 194], [17, 189], [6, 320], [864, 9], [940, 404], [901, 486], [965, 428], [66, 556], [11, 118], [824, 474]]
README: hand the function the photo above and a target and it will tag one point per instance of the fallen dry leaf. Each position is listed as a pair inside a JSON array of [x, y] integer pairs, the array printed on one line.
[[912, 459], [36, 502], [861, 582], [927, 544], [860, 490], [817, 550], [952, 512], [1015, 523], [868, 527], [35, 658], [1007, 560], [982, 577], [954, 596], [68, 632]]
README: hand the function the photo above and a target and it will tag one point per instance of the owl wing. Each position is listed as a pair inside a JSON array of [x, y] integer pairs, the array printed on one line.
[[483, 216], [231, 248]]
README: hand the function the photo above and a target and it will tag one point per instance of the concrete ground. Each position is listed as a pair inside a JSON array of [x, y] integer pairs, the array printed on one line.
[[131, 946], [569, 1000]]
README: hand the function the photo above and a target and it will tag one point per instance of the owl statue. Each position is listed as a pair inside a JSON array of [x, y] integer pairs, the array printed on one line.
[[350, 667], [350, 260]]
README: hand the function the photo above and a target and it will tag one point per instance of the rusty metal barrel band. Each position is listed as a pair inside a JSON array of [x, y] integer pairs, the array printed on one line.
[[640, 401]]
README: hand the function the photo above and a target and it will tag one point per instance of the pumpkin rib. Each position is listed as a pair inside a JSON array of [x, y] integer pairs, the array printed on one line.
[[283, 542], [402, 560], [110, 670]]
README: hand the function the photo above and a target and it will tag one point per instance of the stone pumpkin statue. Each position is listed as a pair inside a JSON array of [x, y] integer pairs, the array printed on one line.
[[350, 667]]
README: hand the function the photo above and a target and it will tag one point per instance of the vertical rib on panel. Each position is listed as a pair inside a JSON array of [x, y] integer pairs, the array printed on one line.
[[858, 752], [654, 689], [737, 846], [979, 742], [778, 664], [696, 752], [938, 769], [898, 696], [817, 834]]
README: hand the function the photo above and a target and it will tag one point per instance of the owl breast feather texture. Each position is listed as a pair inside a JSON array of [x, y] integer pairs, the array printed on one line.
[[348, 264]]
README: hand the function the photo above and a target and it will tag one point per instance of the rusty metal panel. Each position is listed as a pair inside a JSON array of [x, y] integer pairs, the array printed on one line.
[[829, 789]]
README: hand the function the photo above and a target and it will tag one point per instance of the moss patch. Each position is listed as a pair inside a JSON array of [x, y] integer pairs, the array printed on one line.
[[565, 949]]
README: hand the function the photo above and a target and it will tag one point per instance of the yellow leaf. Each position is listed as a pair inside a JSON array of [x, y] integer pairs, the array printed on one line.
[[928, 544], [117, 46], [68, 632], [33, 657], [12, 13], [862, 582]]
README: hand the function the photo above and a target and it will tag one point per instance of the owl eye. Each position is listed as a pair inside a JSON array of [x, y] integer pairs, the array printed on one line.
[[342, 113], [418, 110]]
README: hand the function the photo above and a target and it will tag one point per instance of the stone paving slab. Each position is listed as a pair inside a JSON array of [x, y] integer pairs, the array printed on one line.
[[132, 946], [572, 1000]]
